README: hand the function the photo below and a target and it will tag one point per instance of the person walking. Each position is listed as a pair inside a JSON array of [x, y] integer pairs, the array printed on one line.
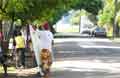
[[46, 40], [3, 58], [20, 50]]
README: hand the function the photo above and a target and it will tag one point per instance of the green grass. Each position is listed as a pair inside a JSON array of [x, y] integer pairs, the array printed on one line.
[[10, 69]]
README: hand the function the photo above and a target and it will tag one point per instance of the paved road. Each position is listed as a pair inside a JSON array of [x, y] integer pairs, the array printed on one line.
[[86, 58], [84, 47]]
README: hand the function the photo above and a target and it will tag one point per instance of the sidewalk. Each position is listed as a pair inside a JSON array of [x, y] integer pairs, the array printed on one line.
[[67, 35], [117, 40]]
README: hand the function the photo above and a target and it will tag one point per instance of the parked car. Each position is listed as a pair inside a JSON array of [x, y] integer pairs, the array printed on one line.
[[87, 29], [98, 32]]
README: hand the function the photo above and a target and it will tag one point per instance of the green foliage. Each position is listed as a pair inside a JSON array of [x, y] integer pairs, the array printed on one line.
[[90, 6], [118, 18], [107, 14], [50, 10], [118, 13]]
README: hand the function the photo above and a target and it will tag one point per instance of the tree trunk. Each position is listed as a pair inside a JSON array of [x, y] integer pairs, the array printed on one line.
[[117, 30], [0, 25], [10, 32], [28, 32]]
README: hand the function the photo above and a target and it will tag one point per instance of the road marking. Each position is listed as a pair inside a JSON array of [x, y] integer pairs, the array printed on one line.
[[99, 46]]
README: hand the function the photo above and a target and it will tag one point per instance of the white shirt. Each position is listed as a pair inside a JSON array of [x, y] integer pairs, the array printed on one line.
[[46, 38], [11, 44]]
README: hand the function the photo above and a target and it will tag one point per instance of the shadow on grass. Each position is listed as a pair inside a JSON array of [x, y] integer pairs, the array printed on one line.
[[14, 75], [9, 75]]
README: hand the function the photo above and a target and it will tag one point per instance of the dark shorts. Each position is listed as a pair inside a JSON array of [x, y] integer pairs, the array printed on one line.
[[2, 59]]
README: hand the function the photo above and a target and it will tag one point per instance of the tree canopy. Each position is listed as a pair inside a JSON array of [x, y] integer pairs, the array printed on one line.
[[107, 14], [50, 10]]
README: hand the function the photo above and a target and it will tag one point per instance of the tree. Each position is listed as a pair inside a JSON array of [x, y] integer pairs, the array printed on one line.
[[109, 16], [43, 10], [3, 4]]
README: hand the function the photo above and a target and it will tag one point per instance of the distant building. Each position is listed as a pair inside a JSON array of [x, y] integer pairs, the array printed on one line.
[[85, 23]]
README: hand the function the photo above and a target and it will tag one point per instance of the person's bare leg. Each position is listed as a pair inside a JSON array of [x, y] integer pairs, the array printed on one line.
[[5, 69]]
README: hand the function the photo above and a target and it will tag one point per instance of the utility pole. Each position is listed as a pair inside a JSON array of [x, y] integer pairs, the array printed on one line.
[[114, 21]]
